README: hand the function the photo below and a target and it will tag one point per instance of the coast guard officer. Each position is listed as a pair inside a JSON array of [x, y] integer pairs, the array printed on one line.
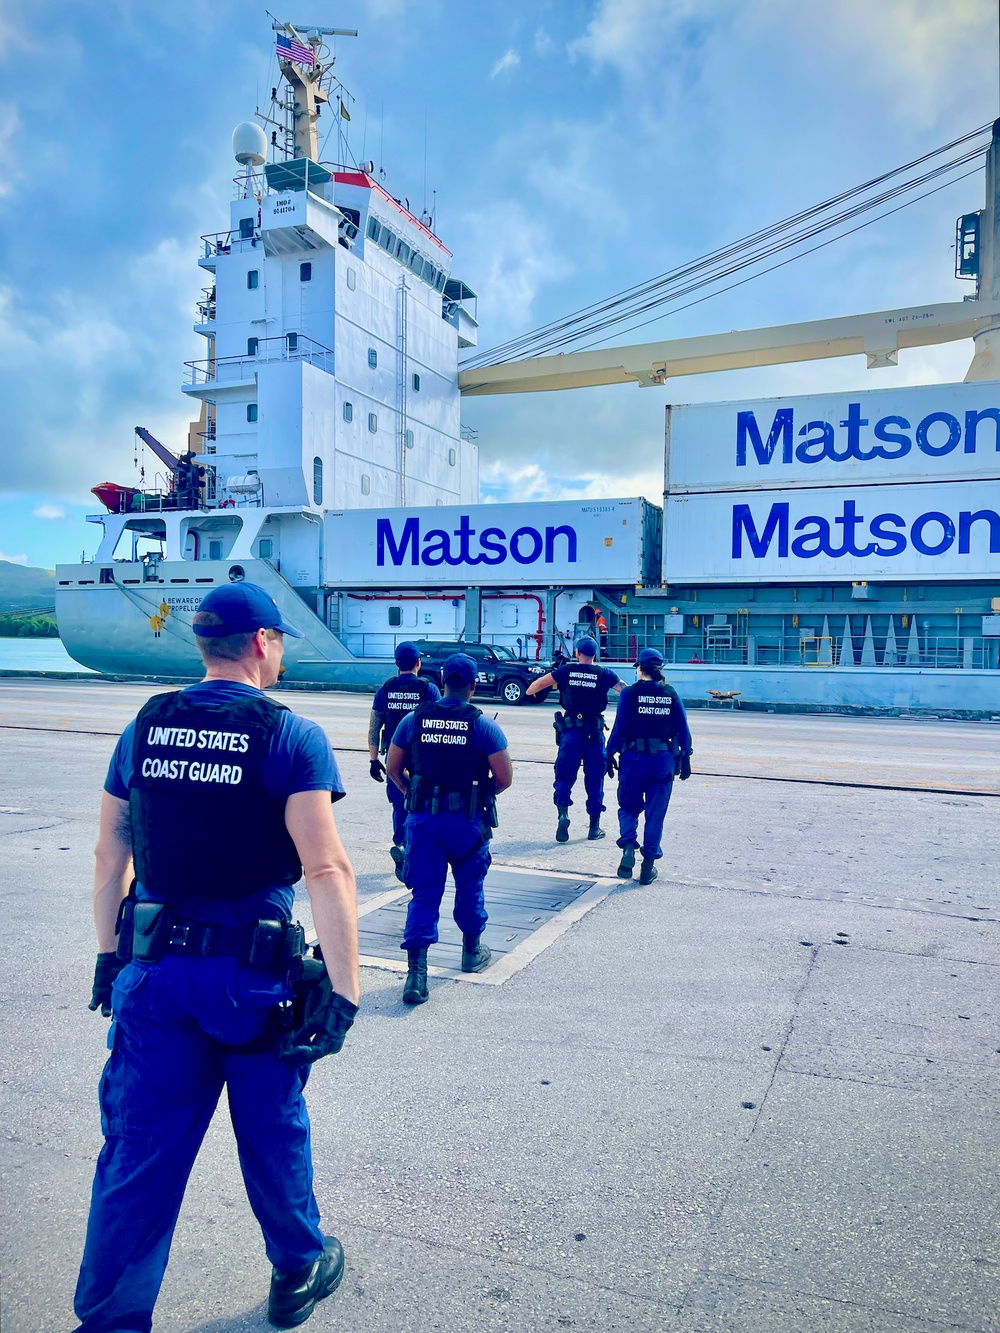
[[451, 762], [392, 702], [221, 798], [651, 734], [583, 692]]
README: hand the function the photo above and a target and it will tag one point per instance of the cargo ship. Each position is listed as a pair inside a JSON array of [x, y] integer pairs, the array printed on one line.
[[328, 464]]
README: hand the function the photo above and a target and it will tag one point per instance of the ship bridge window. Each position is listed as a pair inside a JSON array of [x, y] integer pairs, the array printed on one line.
[[417, 263], [348, 411], [387, 239], [403, 252], [374, 227], [440, 280], [305, 272], [253, 279], [372, 357], [246, 229], [317, 481]]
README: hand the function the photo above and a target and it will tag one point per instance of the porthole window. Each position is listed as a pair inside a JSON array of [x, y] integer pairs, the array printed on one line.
[[409, 439], [251, 411], [416, 383], [251, 347], [317, 481], [372, 422], [348, 411], [305, 272], [395, 617], [372, 357], [253, 279], [352, 279], [366, 484], [452, 457]]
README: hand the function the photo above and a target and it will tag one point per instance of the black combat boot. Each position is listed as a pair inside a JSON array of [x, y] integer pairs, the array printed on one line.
[[415, 990], [648, 872], [627, 863], [595, 829], [294, 1295], [562, 828], [475, 956], [398, 855]]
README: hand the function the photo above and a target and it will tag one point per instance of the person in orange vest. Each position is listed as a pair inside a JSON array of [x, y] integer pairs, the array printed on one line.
[[601, 625]]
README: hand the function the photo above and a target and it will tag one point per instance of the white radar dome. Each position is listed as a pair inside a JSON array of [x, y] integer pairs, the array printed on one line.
[[249, 144]]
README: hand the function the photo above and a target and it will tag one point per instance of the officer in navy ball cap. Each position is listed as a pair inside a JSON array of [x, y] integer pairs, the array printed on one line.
[[451, 762], [397, 697], [583, 692], [652, 737], [221, 799]]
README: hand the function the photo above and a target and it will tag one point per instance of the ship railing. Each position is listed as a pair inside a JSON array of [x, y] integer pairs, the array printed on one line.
[[227, 242], [242, 369]]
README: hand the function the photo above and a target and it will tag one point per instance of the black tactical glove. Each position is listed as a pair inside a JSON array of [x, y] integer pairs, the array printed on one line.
[[376, 768], [612, 766], [684, 768], [108, 967], [322, 1018]]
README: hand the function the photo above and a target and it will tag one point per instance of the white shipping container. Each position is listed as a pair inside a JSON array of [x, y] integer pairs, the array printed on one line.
[[939, 432], [847, 534], [566, 542]]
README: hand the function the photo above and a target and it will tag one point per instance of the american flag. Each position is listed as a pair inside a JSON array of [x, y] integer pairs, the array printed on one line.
[[290, 49]]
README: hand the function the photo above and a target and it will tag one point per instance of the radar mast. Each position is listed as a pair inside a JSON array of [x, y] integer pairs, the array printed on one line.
[[309, 84]]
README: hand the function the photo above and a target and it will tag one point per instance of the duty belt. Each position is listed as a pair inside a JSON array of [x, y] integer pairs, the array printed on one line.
[[149, 931], [651, 745]]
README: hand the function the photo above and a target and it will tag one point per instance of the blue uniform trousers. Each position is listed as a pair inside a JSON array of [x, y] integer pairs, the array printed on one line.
[[396, 800], [169, 1062], [645, 782], [433, 843], [575, 749]]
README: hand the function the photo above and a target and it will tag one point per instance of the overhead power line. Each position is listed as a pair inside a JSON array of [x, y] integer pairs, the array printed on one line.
[[596, 322]]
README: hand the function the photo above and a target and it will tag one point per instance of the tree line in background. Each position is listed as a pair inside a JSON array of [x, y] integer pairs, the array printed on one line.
[[28, 625]]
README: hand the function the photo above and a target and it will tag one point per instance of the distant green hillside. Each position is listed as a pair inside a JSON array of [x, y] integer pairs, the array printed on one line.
[[28, 625], [23, 588]]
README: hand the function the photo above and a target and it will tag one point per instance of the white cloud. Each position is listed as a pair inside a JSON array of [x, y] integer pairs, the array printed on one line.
[[20, 559], [47, 511], [544, 45], [514, 257], [9, 124], [509, 60]]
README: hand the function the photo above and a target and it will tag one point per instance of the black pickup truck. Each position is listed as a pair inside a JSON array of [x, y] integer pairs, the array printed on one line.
[[501, 673]]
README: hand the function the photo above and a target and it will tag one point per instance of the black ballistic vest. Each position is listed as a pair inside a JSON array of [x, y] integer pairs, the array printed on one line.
[[402, 695], [443, 754], [653, 716], [204, 827], [583, 697]]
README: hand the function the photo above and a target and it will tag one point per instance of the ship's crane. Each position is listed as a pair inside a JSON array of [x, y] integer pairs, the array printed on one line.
[[186, 475]]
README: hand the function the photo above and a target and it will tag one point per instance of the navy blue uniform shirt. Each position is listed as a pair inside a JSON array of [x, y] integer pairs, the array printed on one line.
[[486, 735], [606, 681], [299, 759], [626, 712]]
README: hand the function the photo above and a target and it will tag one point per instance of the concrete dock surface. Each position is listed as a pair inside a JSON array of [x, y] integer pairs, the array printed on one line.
[[759, 1094]]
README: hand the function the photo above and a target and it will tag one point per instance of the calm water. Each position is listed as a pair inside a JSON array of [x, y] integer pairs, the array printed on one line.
[[37, 655]]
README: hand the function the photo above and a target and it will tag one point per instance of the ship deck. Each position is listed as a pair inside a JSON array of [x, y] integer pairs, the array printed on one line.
[[758, 1094]]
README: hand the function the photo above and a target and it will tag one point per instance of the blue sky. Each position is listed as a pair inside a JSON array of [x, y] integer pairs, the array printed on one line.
[[576, 147]]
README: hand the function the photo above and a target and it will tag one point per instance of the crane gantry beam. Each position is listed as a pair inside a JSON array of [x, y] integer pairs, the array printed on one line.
[[878, 335]]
